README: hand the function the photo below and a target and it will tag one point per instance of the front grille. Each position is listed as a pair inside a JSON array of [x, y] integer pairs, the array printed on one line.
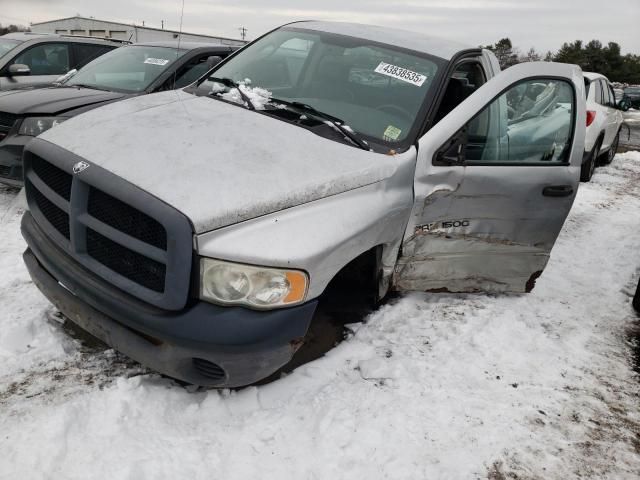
[[58, 218], [7, 120], [5, 171], [56, 179], [127, 219], [208, 369], [129, 264], [111, 227]]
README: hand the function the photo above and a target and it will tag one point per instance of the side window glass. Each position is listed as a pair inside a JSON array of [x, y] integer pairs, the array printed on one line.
[[46, 59], [85, 53], [598, 92], [531, 123], [191, 72], [605, 94]]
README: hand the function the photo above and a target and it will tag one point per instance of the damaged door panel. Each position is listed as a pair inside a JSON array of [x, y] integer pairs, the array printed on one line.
[[495, 265], [482, 218]]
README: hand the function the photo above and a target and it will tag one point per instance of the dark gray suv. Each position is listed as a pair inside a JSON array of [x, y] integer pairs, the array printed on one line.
[[34, 60]]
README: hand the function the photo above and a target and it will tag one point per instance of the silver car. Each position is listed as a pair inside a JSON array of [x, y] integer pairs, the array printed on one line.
[[29, 60], [195, 230]]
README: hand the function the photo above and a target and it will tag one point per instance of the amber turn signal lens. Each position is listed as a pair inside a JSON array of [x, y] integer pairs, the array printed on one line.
[[298, 287]]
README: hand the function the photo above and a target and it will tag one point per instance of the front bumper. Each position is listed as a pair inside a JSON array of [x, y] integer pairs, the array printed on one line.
[[203, 344], [11, 148]]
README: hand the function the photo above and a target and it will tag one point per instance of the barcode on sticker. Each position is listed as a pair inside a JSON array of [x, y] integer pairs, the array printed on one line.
[[156, 61], [400, 73]]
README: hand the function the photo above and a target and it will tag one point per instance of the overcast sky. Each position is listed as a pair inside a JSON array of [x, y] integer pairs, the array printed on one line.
[[543, 24]]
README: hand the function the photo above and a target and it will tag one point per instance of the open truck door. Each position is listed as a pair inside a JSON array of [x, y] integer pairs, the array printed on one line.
[[494, 183]]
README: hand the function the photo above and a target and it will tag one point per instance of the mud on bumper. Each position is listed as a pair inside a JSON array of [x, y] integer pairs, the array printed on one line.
[[202, 344]]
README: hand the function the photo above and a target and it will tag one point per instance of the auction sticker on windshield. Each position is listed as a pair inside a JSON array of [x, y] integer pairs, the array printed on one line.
[[156, 61], [400, 73]]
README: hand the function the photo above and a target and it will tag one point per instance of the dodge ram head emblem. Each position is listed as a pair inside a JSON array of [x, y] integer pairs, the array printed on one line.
[[80, 167]]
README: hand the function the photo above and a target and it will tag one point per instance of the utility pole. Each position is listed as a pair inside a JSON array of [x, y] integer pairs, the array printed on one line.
[[162, 23], [243, 32]]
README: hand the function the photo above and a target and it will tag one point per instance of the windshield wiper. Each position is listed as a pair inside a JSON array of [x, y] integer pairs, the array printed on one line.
[[229, 83], [84, 85], [335, 122]]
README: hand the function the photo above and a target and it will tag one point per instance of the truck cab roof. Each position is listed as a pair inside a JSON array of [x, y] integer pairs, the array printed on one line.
[[419, 42]]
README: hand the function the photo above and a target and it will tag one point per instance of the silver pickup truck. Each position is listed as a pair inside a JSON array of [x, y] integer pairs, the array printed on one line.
[[194, 230]]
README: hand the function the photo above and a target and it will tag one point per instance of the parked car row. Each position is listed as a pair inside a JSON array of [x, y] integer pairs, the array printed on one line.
[[34, 59], [196, 229], [122, 73]]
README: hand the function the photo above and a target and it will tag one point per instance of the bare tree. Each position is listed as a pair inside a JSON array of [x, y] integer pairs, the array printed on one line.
[[531, 56]]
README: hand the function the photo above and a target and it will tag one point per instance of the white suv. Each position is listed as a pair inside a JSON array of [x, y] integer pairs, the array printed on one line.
[[603, 124]]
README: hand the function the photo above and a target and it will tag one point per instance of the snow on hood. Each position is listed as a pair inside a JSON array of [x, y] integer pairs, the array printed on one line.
[[217, 163]]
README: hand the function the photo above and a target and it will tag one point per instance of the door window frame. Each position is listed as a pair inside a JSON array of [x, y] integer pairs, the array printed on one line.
[[453, 139], [612, 96], [442, 82]]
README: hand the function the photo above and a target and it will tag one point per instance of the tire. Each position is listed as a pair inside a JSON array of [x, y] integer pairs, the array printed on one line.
[[589, 166], [608, 157], [636, 298]]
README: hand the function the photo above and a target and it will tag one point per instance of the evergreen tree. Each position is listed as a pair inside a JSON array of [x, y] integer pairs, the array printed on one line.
[[591, 57], [504, 51]]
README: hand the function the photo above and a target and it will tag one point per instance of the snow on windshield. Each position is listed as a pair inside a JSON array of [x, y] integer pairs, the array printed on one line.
[[259, 96]]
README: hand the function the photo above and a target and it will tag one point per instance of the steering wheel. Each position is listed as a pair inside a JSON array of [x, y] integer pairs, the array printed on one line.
[[396, 110]]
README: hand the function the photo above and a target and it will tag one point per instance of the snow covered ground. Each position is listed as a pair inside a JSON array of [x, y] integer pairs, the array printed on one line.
[[435, 386]]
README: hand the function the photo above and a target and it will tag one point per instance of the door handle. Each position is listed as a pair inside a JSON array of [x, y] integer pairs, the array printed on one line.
[[557, 191]]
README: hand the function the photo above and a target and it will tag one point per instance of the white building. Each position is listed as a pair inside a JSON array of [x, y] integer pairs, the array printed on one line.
[[122, 31]]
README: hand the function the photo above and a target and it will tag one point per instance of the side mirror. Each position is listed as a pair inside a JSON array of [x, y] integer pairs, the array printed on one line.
[[18, 69], [624, 104], [213, 61]]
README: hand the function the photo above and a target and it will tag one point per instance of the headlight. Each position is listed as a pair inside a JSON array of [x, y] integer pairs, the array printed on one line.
[[34, 126], [256, 287]]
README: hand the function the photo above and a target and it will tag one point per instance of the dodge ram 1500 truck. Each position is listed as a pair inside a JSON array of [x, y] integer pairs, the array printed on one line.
[[194, 230]]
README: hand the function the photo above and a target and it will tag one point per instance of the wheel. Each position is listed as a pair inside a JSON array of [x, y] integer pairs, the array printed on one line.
[[608, 158], [636, 298], [589, 166]]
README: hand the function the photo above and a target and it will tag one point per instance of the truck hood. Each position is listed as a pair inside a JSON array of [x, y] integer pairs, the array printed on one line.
[[52, 100], [217, 163]]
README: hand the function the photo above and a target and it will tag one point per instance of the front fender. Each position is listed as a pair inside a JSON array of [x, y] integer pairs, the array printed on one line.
[[323, 236]]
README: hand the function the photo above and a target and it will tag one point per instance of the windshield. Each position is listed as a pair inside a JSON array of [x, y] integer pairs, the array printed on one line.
[[126, 69], [377, 90], [6, 45]]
